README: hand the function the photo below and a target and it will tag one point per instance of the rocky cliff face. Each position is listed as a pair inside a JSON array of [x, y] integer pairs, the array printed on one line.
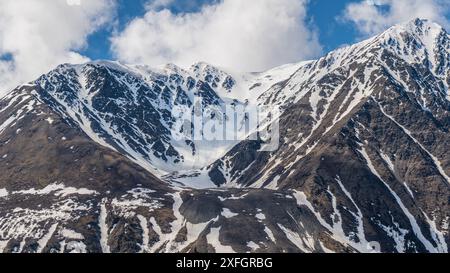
[[89, 162]]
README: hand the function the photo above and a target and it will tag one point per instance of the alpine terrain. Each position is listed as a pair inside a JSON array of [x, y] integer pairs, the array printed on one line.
[[91, 158]]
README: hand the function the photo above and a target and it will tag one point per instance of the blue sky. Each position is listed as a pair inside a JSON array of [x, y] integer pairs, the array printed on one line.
[[98, 42], [333, 32], [324, 15]]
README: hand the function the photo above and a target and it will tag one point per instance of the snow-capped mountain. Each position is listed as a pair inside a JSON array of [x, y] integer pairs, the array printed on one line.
[[90, 161], [130, 108]]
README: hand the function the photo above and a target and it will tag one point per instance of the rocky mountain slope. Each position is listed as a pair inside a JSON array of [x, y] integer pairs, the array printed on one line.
[[90, 162]]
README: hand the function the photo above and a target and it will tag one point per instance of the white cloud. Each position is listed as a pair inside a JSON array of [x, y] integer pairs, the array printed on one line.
[[374, 16], [38, 35], [248, 35]]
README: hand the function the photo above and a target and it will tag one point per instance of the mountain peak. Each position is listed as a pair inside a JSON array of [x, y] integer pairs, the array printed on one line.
[[423, 28], [416, 41], [424, 24]]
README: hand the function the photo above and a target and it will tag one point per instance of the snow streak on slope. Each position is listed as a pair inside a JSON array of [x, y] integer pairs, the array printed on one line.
[[336, 229], [104, 230], [436, 161], [358, 216], [416, 228]]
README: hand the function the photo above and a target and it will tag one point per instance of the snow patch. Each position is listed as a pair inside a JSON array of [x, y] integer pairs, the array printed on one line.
[[50, 120], [59, 190], [145, 233], [260, 216], [76, 247], [228, 214], [70, 234], [253, 246], [213, 239], [42, 243], [104, 231], [269, 233], [3, 244], [3, 193]]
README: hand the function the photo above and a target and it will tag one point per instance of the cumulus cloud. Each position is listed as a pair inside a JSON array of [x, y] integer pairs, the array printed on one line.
[[35, 36], [374, 16], [248, 35]]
